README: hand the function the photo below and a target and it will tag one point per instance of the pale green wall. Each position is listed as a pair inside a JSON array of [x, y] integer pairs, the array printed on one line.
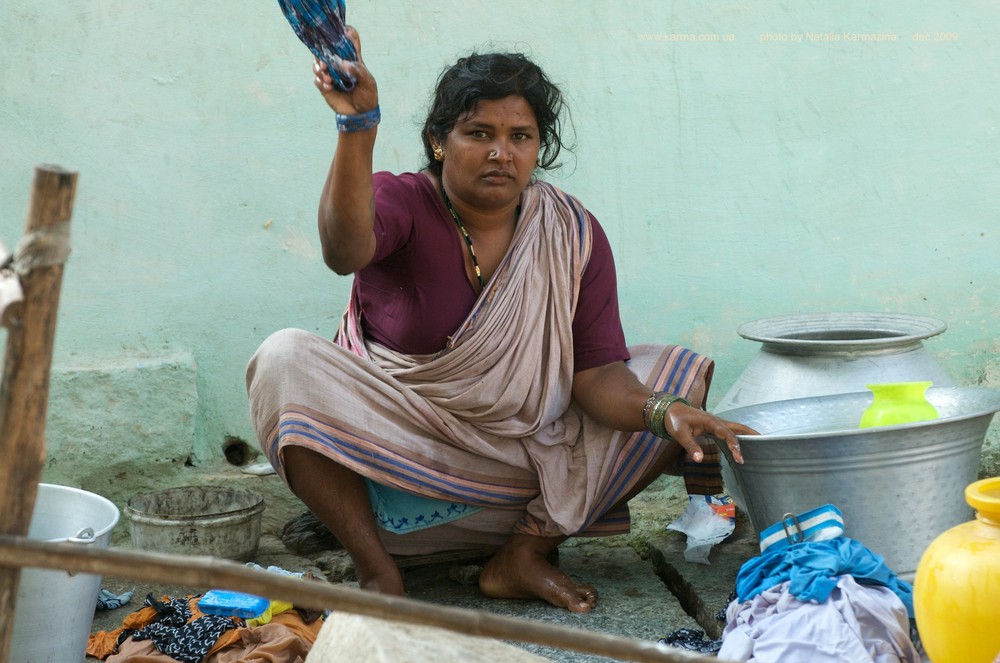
[[736, 178]]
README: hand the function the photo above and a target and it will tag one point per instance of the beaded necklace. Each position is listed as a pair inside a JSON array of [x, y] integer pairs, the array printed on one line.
[[468, 240]]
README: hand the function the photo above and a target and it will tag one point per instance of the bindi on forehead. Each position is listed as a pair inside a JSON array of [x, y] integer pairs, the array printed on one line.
[[499, 117], [501, 123]]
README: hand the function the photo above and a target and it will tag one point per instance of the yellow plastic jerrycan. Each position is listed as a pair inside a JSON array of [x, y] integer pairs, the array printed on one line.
[[956, 592]]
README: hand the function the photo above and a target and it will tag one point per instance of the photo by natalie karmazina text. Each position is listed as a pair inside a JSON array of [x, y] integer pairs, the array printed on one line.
[[828, 37]]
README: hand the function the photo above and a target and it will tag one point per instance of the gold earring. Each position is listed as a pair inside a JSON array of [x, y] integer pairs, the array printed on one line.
[[538, 163], [438, 153]]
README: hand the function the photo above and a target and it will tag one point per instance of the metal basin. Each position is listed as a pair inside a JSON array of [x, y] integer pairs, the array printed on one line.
[[897, 486], [197, 520]]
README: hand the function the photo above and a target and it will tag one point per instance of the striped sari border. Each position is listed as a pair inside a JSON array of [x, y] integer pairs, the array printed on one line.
[[368, 458]]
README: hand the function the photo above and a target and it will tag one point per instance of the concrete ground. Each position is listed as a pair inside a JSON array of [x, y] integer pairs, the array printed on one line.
[[647, 590]]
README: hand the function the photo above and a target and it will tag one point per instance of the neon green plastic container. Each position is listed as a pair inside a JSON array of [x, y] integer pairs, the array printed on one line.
[[898, 403]]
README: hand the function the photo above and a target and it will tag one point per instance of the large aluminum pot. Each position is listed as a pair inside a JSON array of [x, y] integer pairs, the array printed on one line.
[[897, 486], [55, 610], [815, 354]]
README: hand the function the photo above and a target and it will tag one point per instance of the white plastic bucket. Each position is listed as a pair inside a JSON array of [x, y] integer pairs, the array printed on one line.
[[55, 610]]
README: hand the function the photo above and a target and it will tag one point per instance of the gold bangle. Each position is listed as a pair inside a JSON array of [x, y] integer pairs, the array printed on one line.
[[657, 418], [648, 408]]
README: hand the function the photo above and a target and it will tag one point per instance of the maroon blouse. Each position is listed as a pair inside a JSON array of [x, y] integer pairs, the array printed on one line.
[[415, 293]]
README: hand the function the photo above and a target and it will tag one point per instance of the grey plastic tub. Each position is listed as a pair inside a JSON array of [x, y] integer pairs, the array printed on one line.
[[897, 486], [197, 520], [55, 610]]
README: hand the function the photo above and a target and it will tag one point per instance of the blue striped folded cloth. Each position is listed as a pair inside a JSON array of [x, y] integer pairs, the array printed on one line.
[[319, 24], [820, 524]]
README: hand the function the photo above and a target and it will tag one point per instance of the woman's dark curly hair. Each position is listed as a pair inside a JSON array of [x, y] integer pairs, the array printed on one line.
[[494, 76]]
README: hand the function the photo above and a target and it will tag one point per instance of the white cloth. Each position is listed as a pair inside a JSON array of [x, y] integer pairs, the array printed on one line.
[[856, 624]]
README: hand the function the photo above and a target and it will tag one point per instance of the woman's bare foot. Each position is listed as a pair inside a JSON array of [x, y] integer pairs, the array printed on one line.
[[387, 582], [376, 569], [520, 570]]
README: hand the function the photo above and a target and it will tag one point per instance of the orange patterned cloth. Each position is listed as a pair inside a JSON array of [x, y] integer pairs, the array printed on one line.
[[286, 632]]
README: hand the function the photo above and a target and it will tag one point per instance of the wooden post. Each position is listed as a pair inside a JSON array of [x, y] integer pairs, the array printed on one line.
[[25, 387]]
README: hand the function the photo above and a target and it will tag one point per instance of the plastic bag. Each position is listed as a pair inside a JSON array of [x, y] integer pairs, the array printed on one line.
[[707, 520]]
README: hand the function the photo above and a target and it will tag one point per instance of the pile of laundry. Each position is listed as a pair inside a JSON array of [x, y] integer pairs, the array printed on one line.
[[814, 595], [817, 601], [179, 629]]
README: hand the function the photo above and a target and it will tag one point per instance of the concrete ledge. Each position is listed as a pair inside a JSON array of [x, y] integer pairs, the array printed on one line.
[[119, 426]]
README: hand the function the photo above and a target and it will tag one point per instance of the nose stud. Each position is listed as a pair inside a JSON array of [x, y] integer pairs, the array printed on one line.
[[494, 154]]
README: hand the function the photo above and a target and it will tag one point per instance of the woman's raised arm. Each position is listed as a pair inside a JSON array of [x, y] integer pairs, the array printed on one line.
[[347, 205]]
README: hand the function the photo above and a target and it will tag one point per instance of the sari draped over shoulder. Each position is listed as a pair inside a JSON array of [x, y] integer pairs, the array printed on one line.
[[508, 368], [488, 421]]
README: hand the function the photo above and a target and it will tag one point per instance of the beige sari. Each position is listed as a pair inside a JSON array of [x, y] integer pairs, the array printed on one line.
[[489, 421]]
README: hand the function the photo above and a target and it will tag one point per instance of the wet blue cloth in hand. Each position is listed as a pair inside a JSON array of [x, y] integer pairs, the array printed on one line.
[[812, 567], [320, 25]]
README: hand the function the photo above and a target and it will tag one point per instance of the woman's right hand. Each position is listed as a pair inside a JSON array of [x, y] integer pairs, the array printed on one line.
[[685, 424], [363, 97], [347, 205]]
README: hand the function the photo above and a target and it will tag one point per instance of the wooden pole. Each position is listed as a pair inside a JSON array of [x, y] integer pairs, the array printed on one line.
[[25, 386], [212, 572]]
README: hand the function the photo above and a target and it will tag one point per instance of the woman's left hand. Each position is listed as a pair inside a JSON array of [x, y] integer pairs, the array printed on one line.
[[684, 424]]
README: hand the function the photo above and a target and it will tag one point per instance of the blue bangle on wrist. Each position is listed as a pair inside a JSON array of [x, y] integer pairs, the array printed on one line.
[[359, 122]]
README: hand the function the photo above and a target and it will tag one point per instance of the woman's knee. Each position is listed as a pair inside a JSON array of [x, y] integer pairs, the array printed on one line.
[[280, 347], [277, 358]]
